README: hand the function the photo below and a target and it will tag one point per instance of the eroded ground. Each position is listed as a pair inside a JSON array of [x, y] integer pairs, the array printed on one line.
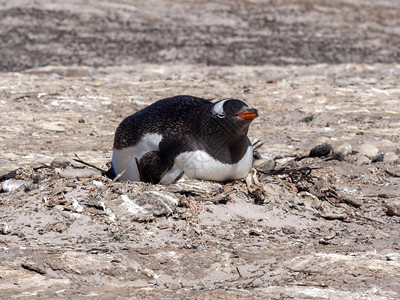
[[321, 227], [329, 234]]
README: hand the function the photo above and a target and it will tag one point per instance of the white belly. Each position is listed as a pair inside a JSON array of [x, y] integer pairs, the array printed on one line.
[[124, 159], [198, 164]]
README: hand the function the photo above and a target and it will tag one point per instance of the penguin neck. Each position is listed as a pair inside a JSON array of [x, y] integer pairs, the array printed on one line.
[[223, 142]]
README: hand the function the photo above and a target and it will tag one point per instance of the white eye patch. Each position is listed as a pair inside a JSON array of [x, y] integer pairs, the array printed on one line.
[[218, 108]]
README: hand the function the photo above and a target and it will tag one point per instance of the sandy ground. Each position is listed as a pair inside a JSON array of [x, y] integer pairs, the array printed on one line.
[[297, 227]]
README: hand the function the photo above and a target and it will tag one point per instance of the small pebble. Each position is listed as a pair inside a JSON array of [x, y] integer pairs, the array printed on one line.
[[60, 162], [342, 151], [393, 208], [308, 119], [282, 161], [35, 178], [55, 75], [351, 201], [320, 150], [312, 199], [5, 228], [75, 204], [256, 155], [334, 216], [66, 214], [265, 165], [97, 183], [362, 160], [369, 150], [150, 273], [378, 158]]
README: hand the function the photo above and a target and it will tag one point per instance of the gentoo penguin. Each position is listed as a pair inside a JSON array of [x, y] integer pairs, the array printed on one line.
[[185, 135]]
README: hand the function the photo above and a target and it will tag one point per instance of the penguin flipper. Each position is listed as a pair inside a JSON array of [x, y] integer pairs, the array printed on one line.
[[152, 167]]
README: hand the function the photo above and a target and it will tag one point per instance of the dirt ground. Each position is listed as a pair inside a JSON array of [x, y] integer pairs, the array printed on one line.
[[251, 32], [302, 225]]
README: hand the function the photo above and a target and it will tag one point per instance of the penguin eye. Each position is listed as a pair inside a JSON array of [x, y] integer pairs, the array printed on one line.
[[221, 116]]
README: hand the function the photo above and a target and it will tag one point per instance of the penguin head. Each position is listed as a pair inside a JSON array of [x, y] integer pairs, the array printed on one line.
[[234, 112], [224, 126]]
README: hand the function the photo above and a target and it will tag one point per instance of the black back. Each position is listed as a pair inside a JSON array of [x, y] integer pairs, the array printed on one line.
[[175, 116]]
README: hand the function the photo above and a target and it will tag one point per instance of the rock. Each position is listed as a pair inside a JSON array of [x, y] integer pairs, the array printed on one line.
[[391, 157], [308, 119], [256, 155], [378, 158], [147, 206], [33, 266], [36, 178], [12, 185], [80, 173], [5, 228], [362, 160], [78, 208], [334, 216], [97, 184], [264, 165], [58, 127], [393, 171], [349, 200], [342, 151], [280, 162], [312, 199], [320, 150], [60, 162], [393, 208], [369, 150], [150, 273], [66, 214], [157, 203], [132, 207]]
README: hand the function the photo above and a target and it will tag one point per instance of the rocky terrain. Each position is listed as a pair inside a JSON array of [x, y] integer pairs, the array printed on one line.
[[318, 217]]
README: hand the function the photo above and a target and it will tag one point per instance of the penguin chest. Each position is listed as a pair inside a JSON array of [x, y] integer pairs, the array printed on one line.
[[201, 165]]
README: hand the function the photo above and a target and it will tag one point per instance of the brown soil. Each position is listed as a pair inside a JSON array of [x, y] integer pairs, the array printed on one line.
[[312, 228]]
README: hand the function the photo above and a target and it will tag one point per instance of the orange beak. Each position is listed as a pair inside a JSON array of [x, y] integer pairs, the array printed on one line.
[[248, 114]]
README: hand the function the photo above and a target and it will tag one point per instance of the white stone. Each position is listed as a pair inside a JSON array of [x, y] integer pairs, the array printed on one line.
[[369, 150], [390, 157], [12, 185], [344, 149], [362, 160]]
